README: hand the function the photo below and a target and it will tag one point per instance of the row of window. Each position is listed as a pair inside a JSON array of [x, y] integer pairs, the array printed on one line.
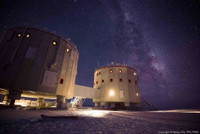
[[111, 71], [27, 35], [54, 43], [120, 80]]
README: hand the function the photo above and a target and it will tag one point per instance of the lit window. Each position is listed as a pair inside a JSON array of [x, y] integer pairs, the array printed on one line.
[[96, 82], [120, 70], [27, 35], [120, 80], [129, 81], [67, 50], [54, 43], [102, 81], [111, 80], [19, 35], [135, 73], [111, 71], [137, 94]]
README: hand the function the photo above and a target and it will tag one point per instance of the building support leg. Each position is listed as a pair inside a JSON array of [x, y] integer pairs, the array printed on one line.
[[41, 102], [13, 95], [61, 102]]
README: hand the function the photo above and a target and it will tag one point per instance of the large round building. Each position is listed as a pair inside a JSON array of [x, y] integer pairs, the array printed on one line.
[[118, 84], [37, 61]]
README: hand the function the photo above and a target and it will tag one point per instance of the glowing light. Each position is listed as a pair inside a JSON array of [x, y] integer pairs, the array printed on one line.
[[68, 50], [179, 111], [111, 93], [93, 113], [120, 71], [111, 71], [19, 35], [135, 73], [54, 43], [28, 35], [137, 94]]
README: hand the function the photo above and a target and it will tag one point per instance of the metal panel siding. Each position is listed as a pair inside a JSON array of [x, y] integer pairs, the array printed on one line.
[[86, 92], [123, 91], [35, 56], [37, 69]]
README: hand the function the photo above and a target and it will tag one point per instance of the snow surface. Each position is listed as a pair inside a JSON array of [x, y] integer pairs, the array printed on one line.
[[97, 121]]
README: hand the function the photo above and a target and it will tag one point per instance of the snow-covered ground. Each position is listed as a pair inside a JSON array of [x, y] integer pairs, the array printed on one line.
[[98, 121]]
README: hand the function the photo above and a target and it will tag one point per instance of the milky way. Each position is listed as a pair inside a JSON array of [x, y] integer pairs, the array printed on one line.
[[158, 38]]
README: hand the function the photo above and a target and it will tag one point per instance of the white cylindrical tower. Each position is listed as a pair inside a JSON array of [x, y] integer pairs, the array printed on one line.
[[118, 84]]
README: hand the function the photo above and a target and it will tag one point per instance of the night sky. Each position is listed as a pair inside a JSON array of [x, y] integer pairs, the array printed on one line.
[[160, 38]]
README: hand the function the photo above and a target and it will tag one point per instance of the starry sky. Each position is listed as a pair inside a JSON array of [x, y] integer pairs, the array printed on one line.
[[161, 39]]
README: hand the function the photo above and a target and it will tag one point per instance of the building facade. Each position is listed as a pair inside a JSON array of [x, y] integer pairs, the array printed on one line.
[[37, 61], [118, 84]]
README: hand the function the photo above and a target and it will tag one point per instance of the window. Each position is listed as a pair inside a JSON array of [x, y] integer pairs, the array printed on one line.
[[134, 73], [99, 73], [19, 35], [67, 50], [102, 81], [129, 81], [120, 71], [120, 80], [96, 82], [61, 81], [27, 35], [54, 43], [111, 71], [136, 83], [111, 80]]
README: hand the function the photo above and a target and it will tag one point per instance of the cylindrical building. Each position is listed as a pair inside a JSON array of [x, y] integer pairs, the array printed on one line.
[[38, 61], [118, 85]]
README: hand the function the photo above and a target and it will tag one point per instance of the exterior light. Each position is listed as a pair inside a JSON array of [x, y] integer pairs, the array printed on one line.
[[54, 43], [111, 93], [67, 50], [111, 71], [137, 94], [19, 35], [120, 71], [134, 73], [28, 35]]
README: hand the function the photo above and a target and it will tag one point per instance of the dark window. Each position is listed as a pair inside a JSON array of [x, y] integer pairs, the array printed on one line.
[[129, 81], [99, 73], [102, 81], [111, 80], [120, 80], [61, 81], [96, 82], [136, 83]]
